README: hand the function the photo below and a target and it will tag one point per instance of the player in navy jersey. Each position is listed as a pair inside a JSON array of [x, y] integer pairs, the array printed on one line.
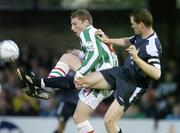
[[130, 81]]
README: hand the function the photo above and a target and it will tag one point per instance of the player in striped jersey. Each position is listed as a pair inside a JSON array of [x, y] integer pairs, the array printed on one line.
[[97, 56], [94, 56]]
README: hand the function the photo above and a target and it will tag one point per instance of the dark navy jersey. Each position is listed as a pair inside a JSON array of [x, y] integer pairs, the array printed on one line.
[[149, 51]]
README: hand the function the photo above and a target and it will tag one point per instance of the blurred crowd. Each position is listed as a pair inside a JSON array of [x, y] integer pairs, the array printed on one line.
[[161, 101]]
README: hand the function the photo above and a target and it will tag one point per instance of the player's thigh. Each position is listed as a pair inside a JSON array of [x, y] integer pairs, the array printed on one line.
[[114, 113], [82, 112], [95, 80], [71, 60]]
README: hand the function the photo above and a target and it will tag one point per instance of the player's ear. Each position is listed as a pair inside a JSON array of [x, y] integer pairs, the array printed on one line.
[[86, 22], [141, 24]]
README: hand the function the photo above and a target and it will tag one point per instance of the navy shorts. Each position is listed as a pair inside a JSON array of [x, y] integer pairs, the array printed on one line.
[[125, 86]]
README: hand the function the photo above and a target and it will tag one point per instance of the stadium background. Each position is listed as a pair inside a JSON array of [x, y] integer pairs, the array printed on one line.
[[41, 28]]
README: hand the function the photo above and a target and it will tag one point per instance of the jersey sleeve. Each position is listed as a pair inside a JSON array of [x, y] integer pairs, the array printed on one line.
[[132, 39], [93, 51], [154, 51]]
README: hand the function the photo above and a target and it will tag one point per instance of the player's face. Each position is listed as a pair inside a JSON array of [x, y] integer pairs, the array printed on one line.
[[77, 25], [136, 26]]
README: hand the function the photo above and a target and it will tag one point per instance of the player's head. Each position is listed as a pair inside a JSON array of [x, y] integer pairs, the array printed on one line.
[[80, 19], [141, 18]]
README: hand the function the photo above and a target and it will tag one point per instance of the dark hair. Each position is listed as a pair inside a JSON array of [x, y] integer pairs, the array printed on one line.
[[142, 15], [82, 14]]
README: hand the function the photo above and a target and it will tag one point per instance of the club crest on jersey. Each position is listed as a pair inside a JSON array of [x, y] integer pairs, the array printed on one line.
[[89, 46]]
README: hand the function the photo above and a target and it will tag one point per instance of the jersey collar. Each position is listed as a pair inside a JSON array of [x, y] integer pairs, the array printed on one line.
[[88, 27]]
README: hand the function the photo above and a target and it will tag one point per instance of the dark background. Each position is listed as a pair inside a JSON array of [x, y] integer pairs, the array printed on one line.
[[42, 30], [48, 27]]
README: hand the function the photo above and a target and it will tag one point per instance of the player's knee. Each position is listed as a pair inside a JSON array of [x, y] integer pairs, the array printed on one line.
[[71, 60], [76, 118], [108, 121], [66, 57]]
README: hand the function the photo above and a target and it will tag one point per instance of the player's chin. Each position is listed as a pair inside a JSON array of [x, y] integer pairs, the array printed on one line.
[[136, 33], [75, 33]]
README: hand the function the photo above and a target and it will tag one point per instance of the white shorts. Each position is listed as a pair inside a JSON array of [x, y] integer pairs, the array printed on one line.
[[93, 97]]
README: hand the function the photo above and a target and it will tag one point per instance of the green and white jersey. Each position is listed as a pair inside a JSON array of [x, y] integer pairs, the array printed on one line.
[[96, 52]]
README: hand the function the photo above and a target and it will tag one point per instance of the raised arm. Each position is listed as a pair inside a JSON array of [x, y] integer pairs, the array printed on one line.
[[115, 41]]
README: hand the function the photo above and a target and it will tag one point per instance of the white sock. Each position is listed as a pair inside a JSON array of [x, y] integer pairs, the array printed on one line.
[[61, 69], [85, 127]]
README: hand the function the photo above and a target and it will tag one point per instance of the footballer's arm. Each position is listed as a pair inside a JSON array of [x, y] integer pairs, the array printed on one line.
[[148, 69], [115, 41], [120, 41]]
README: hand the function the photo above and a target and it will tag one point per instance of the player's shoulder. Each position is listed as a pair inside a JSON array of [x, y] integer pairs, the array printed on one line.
[[153, 39], [154, 46], [89, 30], [87, 33]]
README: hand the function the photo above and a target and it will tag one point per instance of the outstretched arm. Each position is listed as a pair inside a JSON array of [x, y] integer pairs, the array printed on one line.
[[116, 41]]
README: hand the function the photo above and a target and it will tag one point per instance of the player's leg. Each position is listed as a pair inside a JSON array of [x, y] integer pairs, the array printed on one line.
[[65, 111], [66, 63], [81, 116], [29, 87], [69, 60], [61, 119], [94, 80], [89, 100], [104, 79], [112, 116], [35, 85]]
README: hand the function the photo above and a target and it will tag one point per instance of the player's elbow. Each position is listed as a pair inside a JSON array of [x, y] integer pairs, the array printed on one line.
[[157, 75]]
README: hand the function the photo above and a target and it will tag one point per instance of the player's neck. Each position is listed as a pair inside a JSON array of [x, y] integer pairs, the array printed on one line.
[[147, 32]]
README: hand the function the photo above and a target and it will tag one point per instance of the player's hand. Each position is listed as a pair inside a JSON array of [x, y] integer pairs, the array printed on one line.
[[76, 52], [78, 82], [100, 34], [133, 52]]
